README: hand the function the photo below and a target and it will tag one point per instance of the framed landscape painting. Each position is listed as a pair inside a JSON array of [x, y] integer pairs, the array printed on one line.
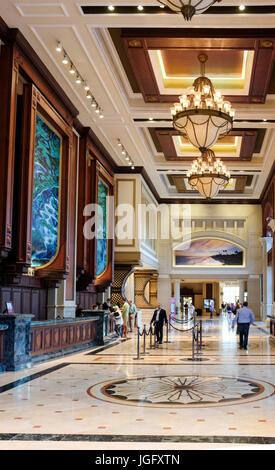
[[209, 252]]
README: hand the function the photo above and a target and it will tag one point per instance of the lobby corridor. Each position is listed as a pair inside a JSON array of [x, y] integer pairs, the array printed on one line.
[[105, 398]]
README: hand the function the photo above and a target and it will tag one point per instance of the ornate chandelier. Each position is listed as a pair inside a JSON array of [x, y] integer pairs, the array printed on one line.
[[208, 175], [188, 8], [202, 115]]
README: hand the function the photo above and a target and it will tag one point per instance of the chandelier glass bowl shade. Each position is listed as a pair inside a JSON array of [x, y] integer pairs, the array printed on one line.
[[208, 175], [202, 115], [188, 8]]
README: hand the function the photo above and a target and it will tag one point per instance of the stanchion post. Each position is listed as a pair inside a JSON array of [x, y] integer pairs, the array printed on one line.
[[155, 337], [138, 346], [167, 338], [193, 344], [151, 337], [144, 341]]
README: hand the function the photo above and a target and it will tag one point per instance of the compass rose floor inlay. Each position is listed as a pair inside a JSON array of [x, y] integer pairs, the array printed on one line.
[[182, 391]]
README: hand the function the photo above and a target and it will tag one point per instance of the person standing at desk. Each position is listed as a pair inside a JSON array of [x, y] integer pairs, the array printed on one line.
[[244, 318], [125, 316]]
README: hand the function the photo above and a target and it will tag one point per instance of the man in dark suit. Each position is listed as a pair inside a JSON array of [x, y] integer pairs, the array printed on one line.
[[158, 319]]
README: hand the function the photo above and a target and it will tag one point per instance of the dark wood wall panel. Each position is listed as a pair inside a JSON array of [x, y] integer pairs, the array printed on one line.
[[45, 339], [25, 300], [72, 196], [85, 299]]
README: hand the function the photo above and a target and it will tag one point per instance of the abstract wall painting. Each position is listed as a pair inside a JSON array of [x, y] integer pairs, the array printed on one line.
[[209, 252], [102, 228], [46, 178]]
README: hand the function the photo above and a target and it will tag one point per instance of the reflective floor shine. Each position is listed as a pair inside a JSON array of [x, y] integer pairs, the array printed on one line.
[[108, 398]]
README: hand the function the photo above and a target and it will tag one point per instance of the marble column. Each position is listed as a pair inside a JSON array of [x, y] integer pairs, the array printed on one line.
[[241, 293], [253, 293], [164, 292], [177, 294], [267, 285], [58, 306]]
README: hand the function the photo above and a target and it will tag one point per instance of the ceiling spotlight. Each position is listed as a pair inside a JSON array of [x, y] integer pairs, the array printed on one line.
[[88, 95], [58, 47], [94, 104], [72, 70], [133, 167], [111, 8], [86, 87], [65, 60], [78, 79], [140, 8], [101, 115], [119, 143], [242, 7], [97, 110]]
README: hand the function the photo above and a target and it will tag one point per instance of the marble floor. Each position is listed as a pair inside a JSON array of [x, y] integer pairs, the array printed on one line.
[[108, 398]]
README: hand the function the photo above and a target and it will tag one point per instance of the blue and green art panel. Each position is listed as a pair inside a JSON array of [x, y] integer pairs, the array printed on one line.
[[101, 244], [47, 154]]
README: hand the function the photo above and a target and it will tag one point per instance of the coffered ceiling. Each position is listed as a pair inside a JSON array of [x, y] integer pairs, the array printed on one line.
[[138, 62]]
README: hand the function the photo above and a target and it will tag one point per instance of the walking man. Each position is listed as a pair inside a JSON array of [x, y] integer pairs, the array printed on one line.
[[158, 319], [244, 318]]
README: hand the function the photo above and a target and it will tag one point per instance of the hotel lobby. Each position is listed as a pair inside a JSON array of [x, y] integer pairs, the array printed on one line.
[[138, 165]]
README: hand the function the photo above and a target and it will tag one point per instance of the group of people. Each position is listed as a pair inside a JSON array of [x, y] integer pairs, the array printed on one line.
[[125, 318], [231, 308]]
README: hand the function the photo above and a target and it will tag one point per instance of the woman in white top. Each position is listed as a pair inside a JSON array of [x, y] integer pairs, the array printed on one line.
[[118, 320]]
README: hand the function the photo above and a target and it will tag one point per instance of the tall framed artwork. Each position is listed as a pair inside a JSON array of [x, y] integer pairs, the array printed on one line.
[[46, 193], [102, 227], [96, 186], [46, 189], [104, 246]]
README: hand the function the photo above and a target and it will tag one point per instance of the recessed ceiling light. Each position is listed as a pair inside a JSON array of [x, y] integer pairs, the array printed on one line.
[[162, 6], [58, 47], [140, 7], [111, 8], [242, 7], [151, 119]]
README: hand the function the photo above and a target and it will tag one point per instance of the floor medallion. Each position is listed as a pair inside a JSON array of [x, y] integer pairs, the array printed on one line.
[[181, 391]]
